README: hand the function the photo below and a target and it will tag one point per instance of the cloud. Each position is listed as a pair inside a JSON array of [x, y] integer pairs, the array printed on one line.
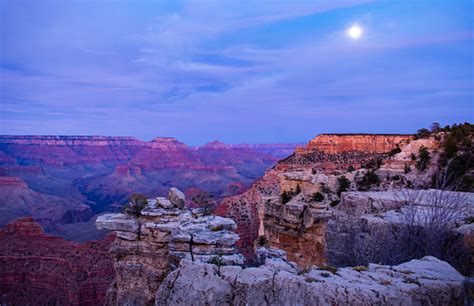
[[238, 71]]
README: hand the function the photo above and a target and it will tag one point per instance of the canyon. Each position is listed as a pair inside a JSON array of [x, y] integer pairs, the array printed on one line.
[[64, 182], [308, 230]]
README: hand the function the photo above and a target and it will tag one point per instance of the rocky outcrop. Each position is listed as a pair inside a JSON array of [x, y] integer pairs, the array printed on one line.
[[38, 269], [292, 203], [149, 246], [369, 143], [418, 282]]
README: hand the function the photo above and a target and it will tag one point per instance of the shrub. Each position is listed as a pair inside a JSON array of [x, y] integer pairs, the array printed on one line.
[[394, 151], [407, 168], [216, 260], [286, 197], [262, 241], [422, 133], [136, 204], [370, 178], [344, 185], [360, 268], [205, 201], [435, 127], [350, 168], [331, 269], [423, 158], [318, 197], [334, 203]]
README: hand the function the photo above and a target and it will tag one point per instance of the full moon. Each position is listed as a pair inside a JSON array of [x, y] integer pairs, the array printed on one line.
[[354, 32]]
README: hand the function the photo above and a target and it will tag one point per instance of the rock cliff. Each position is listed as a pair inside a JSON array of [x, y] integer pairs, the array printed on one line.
[[36, 268], [147, 247], [369, 143], [291, 204]]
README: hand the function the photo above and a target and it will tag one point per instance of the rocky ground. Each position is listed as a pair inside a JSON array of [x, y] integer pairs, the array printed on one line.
[[427, 281]]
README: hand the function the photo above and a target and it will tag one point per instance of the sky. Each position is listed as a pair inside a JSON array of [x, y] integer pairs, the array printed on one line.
[[237, 71]]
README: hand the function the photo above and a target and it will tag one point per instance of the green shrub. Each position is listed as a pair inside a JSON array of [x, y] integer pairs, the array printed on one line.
[[423, 158], [422, 133], [286, 197], [394, 151], [350, 168], [407, 168], [344, 185], [136, 204], [370, 178], [262, 241], [318, 197], [216, 260], [331, 269], [360, 268]]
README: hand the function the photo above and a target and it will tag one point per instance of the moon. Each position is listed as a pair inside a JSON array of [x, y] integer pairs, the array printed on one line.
[[355, 32]]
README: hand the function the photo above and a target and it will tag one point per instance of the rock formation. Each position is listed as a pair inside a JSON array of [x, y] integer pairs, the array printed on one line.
[[149, 246], [368, 143], [418, 282], [173, 256], [291, 205], [38, 269]]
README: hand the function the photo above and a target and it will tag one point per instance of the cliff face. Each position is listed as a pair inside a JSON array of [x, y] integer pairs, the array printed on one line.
[[298, 224], [81, 176], [35, 267], [369, 143], [149, 246]]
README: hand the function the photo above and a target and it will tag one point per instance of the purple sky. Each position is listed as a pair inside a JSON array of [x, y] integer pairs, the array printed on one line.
[[237, 71]]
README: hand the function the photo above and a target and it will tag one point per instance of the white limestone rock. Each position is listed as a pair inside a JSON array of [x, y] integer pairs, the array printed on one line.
[[176, 197], [118, 222], [164, 203], [428, 281], [218, 223]]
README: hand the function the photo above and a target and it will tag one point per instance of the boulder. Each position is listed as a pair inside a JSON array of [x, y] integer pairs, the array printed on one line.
[[176, 197], [164, 203], [219, 223]]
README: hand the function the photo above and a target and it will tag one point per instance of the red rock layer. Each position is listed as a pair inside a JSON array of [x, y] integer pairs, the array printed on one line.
[[368, 143], [38, 269]]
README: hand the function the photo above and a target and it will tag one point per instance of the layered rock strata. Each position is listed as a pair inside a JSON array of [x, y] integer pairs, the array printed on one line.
[[418, 282], [292, 203], [148, 247], [39, 269], [369, 143]]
